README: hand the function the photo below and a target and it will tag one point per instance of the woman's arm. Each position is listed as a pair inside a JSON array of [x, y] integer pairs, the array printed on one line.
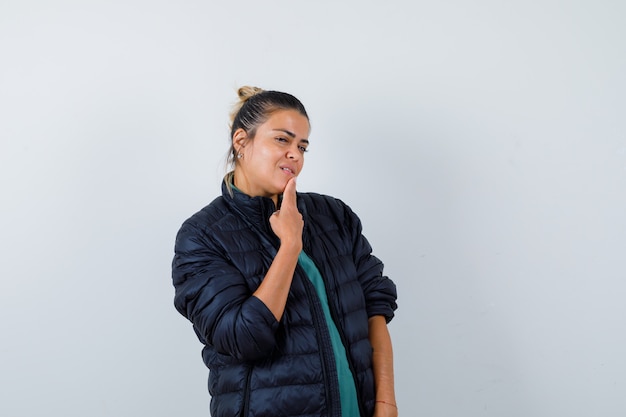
[[383, 367], [287, 224]]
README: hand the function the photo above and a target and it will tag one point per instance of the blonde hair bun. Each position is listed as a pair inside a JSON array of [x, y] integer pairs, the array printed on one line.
[[244, 94]]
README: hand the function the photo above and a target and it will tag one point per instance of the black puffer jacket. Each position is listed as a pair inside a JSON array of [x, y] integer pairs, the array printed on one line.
[[258, 366]]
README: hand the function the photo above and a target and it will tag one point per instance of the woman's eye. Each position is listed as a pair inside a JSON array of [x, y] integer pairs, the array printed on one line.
[[279, 139], [303, 149]]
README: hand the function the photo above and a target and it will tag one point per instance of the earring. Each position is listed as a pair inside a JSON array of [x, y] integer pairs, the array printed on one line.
[[239, 155]]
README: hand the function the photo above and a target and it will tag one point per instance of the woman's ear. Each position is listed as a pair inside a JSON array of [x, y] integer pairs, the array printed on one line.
[[240, 138]]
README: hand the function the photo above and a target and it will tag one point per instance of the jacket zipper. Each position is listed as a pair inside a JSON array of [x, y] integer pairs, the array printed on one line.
[[330, 395], [342, 335]]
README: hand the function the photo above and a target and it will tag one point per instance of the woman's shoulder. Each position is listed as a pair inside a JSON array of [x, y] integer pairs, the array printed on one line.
[[323, 203], [211, 215], [317, 198]]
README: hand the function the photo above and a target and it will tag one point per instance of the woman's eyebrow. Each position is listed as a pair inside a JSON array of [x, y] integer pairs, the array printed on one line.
[[293, 135], [288, 133]]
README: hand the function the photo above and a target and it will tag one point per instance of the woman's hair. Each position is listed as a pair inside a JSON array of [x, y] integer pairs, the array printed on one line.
[[254, 107]]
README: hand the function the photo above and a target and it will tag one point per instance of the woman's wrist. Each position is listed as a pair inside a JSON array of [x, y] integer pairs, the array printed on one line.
[[392, 404]]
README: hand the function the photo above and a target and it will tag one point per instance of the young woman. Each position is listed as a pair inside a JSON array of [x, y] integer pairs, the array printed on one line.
[[281, 286]]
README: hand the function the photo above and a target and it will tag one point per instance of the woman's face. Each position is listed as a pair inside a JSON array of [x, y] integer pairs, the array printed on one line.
[[273, 156]]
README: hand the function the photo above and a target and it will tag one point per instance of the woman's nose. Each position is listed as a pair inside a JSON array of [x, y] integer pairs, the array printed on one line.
[[293, 153]]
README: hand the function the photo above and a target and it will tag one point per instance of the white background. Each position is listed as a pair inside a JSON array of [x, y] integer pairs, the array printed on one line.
[[482, 143]]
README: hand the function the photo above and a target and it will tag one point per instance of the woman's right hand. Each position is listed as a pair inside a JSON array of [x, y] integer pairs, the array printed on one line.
[[287, 223]]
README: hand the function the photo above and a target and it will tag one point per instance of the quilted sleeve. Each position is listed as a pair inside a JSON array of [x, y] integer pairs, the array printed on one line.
[[213, 295], [380, 291]]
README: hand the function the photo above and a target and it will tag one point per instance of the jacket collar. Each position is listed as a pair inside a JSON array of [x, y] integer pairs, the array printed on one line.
[[255, 210]]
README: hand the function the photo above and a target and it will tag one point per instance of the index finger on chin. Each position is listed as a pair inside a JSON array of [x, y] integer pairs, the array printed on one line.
[[289, 195]]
